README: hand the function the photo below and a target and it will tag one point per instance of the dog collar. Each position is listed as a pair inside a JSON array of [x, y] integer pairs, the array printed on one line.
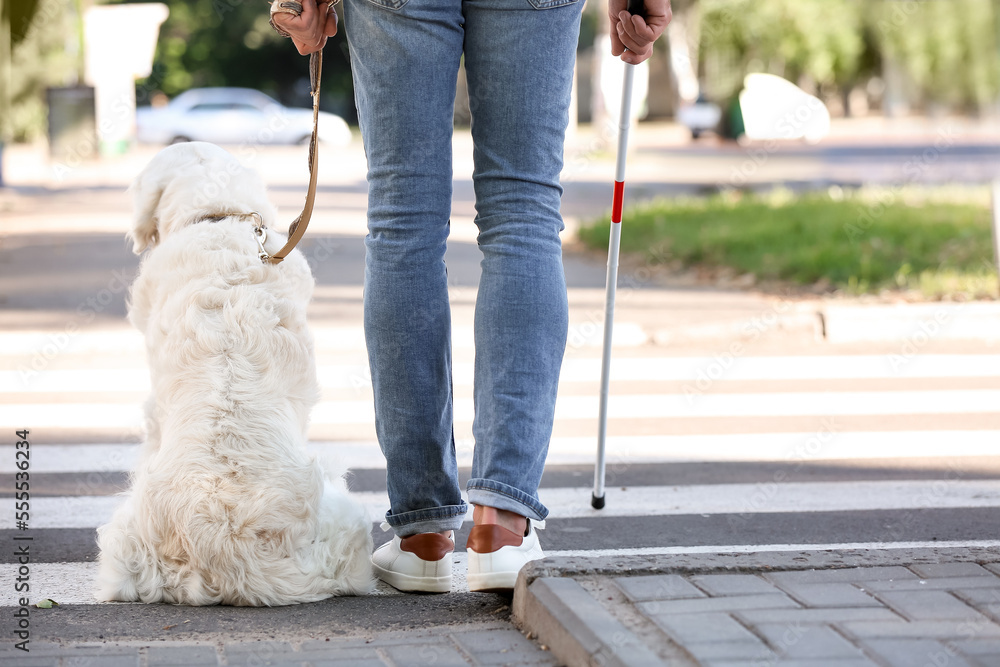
[[259, 230]]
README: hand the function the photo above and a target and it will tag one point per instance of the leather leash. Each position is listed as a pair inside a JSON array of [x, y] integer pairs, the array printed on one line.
[[298, 227]]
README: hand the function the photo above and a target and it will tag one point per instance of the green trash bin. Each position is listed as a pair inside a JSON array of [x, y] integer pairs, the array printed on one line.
[[72, 123], [732, 119]]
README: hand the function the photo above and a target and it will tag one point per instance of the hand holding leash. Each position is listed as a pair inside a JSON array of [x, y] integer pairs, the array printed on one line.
[[308, 23]]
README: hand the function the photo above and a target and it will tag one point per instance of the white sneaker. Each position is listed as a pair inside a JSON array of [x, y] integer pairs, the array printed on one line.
[[419, 563], [496, 555]]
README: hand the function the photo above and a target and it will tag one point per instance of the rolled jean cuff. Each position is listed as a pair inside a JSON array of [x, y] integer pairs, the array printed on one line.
[[489, 493], [434, 520]]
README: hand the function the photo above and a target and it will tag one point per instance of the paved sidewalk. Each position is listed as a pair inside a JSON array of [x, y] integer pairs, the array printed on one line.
[[892, 608], [482, 644]]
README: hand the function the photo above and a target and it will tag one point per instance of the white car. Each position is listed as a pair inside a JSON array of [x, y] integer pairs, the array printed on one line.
[[699, 117], [774, 108], [234, 116]]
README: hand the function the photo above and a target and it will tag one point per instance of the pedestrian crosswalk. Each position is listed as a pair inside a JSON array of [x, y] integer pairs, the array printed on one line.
[[706, 452]]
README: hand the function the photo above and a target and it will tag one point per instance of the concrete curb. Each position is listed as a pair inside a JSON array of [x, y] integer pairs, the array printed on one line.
[[574, 626], [550, 605]]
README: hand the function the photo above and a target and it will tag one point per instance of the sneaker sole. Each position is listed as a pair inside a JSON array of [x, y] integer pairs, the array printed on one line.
[[492, 582], [411, 584]]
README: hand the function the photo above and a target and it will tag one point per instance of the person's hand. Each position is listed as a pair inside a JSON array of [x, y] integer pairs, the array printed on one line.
[[310, 30], [635, 34]]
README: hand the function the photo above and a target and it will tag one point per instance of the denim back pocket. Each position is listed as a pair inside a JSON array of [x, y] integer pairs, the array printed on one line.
[[549, 4]]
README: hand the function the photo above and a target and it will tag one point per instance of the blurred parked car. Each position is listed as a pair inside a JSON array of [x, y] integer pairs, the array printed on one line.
[[774, 108], [234, 116], [700, 116]]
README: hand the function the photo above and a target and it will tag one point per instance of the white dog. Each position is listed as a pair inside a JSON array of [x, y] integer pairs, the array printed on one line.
[[226, 507]]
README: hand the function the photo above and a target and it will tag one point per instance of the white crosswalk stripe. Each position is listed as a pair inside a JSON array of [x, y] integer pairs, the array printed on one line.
[[93, 511], [98, 382]]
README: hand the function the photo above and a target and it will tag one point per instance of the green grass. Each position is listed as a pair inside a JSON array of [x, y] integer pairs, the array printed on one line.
[[934, 243]]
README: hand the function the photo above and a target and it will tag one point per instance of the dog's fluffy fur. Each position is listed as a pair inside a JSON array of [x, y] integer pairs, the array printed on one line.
[[226, 507]]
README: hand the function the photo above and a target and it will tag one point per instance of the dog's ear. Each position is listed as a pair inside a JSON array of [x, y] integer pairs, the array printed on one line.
[[146, 192]]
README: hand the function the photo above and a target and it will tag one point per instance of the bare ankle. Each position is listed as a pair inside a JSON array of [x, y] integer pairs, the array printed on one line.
[[512, 521]]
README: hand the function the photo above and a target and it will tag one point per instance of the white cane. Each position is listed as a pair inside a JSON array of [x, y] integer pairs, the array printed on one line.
[[597, 500]]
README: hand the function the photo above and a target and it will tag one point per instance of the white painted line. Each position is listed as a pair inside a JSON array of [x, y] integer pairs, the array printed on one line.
[[41, 346], [774, 497], [570, 408], [778, 404], [775, 548], [832, 367], [702, 372], [826, 443], [622, 451], [638, 501], [74, 583], [66, 583]]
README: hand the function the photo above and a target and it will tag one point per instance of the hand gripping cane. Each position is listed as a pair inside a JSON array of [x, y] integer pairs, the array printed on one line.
[[637, 8]]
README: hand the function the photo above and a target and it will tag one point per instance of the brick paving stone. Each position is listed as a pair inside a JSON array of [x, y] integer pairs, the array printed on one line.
[[260, 654], [830, 595], [978, 647], [22, 659], [795, 640], [82, 654], [942, 584], [943, 630], [984, 652], [705, 628], [732, 603], [985, 600], [657, 587], [827, 615], [37, 649], [440, 653], [362, 642], [934, 570], [336, 652], [754, 651], [929, 606], [984, 662], [795, 662], [103, 661], [501, 646], [732, 584], [850, 574], [914, 652], [181, 656]]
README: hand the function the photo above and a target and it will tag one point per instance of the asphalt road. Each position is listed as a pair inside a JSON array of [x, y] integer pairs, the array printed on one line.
[[723, 477]]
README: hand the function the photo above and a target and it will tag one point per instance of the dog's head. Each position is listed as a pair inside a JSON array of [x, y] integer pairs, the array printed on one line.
[[187, 182]]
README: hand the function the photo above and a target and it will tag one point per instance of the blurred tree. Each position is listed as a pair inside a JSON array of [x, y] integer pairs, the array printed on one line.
[[948, 51], [44, 41], [229, 43], [820, 42]]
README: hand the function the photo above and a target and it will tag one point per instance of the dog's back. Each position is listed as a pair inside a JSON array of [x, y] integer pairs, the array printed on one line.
[[226, 506]]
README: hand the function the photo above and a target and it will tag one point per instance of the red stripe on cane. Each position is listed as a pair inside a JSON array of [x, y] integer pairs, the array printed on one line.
[[616, 206]]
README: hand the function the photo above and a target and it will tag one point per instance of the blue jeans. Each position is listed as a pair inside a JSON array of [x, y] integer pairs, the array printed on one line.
[[519, 57]]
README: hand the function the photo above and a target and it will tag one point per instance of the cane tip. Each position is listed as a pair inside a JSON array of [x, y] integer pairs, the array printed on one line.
[[597, 503]]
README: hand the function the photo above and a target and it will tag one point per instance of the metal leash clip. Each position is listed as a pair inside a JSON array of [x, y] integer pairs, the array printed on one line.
[[260, 233]]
